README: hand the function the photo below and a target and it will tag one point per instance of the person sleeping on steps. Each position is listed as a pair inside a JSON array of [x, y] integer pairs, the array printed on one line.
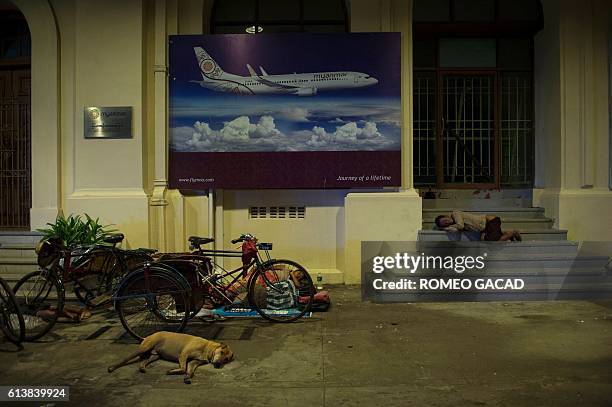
[[489, 226]]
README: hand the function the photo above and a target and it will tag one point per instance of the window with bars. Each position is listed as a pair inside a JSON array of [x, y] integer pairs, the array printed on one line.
[[424, 127], [516, 127]]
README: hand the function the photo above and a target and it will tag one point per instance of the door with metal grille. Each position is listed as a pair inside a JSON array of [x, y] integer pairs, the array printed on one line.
[[15, 175], [467, 136]]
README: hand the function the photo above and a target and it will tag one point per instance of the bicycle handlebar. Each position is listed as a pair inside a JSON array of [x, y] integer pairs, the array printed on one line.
[[244, 237]]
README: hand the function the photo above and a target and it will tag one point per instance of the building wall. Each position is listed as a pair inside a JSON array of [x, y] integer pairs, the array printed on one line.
[[572, 117], [114, 53], [547, 99], [104, 178]]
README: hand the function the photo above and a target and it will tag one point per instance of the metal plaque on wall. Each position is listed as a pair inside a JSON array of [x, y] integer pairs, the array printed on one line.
[[108, 122]]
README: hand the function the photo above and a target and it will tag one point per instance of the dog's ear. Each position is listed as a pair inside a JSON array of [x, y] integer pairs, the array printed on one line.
[[217, 357], [222, 355]]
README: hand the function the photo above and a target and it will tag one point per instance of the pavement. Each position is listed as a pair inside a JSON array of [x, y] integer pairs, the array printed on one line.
[[356, 354]]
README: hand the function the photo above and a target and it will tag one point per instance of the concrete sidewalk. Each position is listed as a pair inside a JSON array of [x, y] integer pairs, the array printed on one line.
[[357, 354]]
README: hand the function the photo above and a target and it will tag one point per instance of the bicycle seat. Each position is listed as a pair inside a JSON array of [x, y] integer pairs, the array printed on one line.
[[116, 238], [146, 251], [197, 241]]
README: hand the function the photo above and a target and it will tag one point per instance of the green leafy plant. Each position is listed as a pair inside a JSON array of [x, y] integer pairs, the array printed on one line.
[[75, 230]]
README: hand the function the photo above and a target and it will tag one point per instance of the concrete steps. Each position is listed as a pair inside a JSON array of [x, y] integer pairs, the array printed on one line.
[[502, 212], [10, 238], [512, 218], [17, 256], [550, 266], [530, 234], [520, 224], [513, 248], [478, 199], [476, 204]]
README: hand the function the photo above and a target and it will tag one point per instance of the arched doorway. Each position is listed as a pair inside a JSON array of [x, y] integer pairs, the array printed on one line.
[[279, 16], [15, 133]]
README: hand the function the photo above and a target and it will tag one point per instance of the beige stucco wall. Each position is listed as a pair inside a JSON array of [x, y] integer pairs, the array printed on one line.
[[572, 117], [547, 99], [101, 64], [311, 241]]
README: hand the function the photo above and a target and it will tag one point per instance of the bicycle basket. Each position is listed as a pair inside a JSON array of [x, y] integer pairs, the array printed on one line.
[[47, 251]]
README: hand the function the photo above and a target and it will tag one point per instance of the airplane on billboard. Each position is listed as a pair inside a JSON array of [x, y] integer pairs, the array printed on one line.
[[300, 84]]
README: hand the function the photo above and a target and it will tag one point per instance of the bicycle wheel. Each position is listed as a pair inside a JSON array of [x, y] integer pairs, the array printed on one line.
[[281, 291], [150, 301], [87, 288], [11, 320], [180, 269], [39, 296]]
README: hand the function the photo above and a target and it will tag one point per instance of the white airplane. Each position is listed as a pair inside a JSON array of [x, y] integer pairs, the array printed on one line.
[[301, 84]]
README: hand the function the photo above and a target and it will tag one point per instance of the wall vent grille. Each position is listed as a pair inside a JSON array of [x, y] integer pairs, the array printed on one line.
[[258, 212], [277, 212]]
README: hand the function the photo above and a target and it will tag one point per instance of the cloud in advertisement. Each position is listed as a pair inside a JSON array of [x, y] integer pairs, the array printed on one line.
[[262, 134], [328, 110]]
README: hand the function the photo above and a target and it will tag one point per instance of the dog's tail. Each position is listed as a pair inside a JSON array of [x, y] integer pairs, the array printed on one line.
[[144, 348], [125, 361]]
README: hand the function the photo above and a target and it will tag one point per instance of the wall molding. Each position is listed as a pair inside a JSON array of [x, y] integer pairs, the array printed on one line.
[[97, 193], [610, 108]]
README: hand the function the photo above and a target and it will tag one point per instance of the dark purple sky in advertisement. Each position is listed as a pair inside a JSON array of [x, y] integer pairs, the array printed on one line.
[[288, 53]]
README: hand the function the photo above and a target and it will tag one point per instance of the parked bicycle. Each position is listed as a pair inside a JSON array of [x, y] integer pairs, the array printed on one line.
[[165, 294], [11, 321], [93, 271]]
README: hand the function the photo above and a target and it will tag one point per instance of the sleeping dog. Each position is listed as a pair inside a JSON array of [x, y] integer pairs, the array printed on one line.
[[189, 351]]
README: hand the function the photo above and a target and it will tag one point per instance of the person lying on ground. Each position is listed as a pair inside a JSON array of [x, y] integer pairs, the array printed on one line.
[[488, 226]]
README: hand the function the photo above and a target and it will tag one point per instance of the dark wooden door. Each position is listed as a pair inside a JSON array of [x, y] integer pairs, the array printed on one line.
[[15, 149]]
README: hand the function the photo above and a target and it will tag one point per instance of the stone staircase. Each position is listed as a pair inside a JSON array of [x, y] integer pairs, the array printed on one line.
[[551, 266], [17, 257], [531, 222]]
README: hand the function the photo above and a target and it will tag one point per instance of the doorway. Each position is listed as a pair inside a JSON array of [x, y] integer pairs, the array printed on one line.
[[15, 138]]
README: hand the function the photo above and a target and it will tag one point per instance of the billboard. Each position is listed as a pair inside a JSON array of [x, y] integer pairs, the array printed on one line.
[[285, 111]]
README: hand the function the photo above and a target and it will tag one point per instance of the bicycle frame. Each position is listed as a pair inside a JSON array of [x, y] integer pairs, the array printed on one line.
[[63, 270], [241, 271]]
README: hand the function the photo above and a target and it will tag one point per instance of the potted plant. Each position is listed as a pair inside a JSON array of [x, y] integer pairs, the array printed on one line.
[[74, 230]]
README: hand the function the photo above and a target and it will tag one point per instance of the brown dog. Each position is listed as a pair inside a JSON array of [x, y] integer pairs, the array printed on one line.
[[189, 351]]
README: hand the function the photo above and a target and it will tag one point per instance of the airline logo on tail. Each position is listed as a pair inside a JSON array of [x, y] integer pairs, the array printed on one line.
[[208, 66]]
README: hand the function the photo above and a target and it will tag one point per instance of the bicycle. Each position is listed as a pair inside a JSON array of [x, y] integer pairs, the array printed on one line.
[[97, 269], [41, 294], [279, 290], [11, 320]]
